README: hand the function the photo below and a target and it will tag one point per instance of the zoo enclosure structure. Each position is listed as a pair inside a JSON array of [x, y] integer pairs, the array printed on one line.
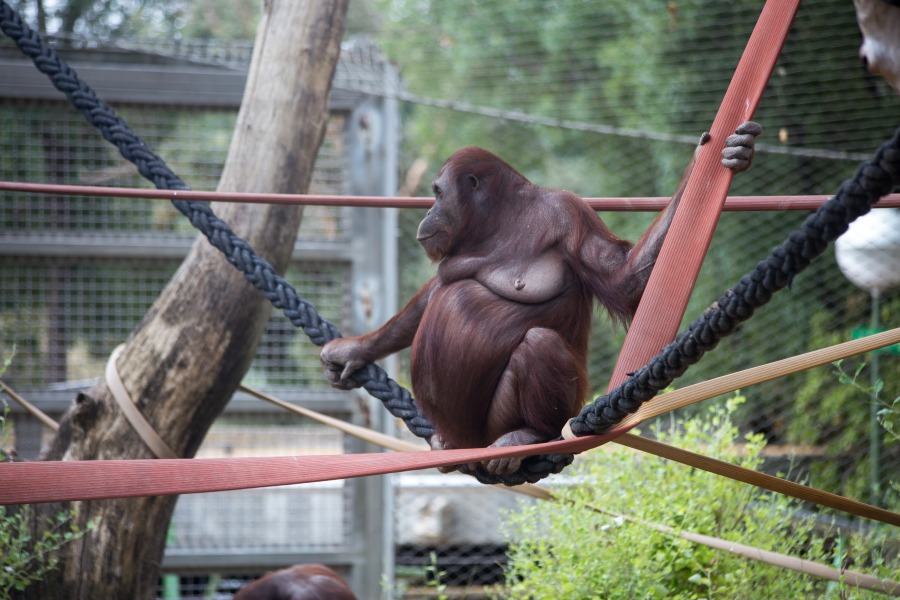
[[784, 316], [79, 273]]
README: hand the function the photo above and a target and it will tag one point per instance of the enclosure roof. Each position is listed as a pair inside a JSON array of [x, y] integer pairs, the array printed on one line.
[[184, 72]]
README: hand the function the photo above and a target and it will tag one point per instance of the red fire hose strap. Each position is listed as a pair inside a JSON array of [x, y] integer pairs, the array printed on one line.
[[665, 300]]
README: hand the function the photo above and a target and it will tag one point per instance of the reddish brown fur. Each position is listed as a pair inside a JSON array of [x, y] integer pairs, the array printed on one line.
[[474, 322], [499, 336], [300, 582]]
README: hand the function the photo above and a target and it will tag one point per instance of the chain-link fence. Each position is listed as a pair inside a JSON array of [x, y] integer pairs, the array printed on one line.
[[625, 85], [65, 313], [622, 136], [79, 273]]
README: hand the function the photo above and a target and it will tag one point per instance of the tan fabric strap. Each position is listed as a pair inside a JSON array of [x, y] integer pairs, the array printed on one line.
[[852, 578], [30, 408], [718, 467], [735, 381], [769, 482], [363, 433], [143, 428]]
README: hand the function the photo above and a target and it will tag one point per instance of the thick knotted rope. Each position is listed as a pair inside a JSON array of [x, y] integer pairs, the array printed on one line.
[[873, 180]]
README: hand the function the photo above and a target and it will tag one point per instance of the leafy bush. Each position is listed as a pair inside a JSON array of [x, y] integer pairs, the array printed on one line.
[[24, 560], [567, 550]]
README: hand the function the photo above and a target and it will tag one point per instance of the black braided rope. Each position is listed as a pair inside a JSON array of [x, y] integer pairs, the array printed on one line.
[[873, 180], [236, 250]]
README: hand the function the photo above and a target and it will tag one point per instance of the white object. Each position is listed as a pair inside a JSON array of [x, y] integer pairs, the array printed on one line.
[[868, 254]]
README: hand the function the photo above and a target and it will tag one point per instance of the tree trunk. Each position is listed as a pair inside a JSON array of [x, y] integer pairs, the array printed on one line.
[[184, 361]]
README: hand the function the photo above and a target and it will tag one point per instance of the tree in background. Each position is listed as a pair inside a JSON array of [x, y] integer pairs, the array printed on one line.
[[647, 67], [186, 358]]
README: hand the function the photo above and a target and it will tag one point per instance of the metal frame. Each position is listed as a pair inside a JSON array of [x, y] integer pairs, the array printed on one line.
[[371, 142]]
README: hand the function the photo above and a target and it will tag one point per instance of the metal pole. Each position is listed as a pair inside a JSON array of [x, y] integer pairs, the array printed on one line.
[[390, 286], [875, 433]]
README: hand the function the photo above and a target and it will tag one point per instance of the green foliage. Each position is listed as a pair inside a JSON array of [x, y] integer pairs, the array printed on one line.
[[837, 418], [434, 577], [24, 559], [888, 416], [567, 550], [889, 413], [4, 414]]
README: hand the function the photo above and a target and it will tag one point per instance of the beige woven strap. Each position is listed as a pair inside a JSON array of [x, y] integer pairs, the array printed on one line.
[[735, 381], [784, 561], [853, 578], [769, 482], [738, 473], [363, 433], [143, 428], [30, 408]]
